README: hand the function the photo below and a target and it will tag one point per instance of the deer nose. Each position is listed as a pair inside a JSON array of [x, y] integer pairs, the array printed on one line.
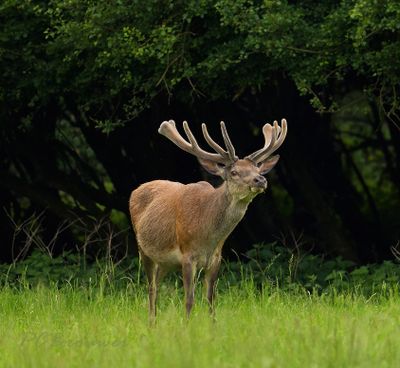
[[260, 181]]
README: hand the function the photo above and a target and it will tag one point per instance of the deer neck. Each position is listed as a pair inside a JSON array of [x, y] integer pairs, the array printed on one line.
[[229, 210]]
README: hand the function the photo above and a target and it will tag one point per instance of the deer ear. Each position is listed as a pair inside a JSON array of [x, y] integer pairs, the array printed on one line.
[[268, 165], [212, 167]]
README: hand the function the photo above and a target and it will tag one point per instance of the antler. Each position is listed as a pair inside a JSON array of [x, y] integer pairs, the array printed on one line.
[[274, 137], [226, 157]]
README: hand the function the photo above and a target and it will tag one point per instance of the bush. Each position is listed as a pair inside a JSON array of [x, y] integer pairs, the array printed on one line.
[[270, 264], [41, 268], [282, 267]]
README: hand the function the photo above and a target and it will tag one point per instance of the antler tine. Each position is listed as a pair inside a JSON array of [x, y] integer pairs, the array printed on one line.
[[269, 138], [190, 135], [274, 137], [212, 143], [168, 129], [281, 135], [228, 142], [229, 154], [279, 140], [276, 129]]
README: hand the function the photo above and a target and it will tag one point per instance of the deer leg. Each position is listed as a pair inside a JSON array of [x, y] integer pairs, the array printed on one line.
[[154, 274], [188, 272], [211, 277]]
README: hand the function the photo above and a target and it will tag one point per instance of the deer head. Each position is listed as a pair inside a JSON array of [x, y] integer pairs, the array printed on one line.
[[244, 177]]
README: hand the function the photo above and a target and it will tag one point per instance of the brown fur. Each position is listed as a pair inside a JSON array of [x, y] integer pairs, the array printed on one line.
[[187, 225], [177, 225]]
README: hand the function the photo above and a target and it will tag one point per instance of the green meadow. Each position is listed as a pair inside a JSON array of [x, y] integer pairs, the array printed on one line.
[[274, 308], [76, 326]]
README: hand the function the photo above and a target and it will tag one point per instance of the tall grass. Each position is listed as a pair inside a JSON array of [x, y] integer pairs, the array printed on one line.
[[279, 308], [76, 326]]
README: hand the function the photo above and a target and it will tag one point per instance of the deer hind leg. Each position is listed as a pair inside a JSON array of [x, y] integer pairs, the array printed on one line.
[[188, 273], [210, 279], [154, 273]]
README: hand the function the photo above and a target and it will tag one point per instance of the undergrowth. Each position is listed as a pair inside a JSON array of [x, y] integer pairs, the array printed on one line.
[[270, 264]]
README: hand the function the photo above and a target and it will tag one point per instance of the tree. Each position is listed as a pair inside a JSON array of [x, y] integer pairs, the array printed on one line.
[[85, 85]]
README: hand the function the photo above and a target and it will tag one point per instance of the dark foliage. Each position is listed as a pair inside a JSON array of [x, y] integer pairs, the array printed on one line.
[[85, 85]]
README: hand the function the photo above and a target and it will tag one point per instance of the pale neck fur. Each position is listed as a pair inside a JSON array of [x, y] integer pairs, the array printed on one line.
[[227, 210]]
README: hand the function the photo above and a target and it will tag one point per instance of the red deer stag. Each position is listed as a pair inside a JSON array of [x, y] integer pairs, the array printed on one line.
[[185, 226]]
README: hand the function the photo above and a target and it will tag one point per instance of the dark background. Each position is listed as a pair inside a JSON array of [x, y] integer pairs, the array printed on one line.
[[84, 87]]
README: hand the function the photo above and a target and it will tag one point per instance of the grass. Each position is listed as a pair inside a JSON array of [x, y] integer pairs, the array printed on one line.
[[75, 326]]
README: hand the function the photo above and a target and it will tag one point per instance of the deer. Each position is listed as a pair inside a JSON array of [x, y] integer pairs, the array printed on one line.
[[186, 225]]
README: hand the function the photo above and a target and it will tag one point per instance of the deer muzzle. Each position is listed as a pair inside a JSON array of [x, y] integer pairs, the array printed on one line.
[[259, 183]]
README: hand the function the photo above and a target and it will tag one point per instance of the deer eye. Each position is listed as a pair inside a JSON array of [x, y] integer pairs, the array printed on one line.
[[234, 173]]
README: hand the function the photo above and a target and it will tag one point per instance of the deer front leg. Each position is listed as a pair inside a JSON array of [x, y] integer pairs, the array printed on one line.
[[188, 273], [210, 279]]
